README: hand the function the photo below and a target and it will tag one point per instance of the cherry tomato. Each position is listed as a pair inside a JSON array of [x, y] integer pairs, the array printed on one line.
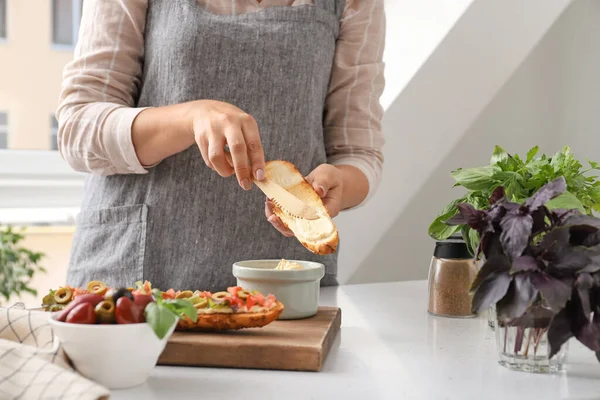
[[92, 299], [127, 312], [82, 314]]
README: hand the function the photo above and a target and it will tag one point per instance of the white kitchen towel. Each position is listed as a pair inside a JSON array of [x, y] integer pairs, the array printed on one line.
[[32, 363]]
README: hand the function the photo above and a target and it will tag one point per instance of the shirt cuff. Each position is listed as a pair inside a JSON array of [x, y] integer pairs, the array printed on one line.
[[366, 168], [118, 143]]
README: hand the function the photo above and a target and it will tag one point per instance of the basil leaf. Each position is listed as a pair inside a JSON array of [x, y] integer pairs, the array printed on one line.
[[181, 307], [160, 318], [475, 178], [566, 201], [473, 241], [499, 156], [438, 229], [532, 153]]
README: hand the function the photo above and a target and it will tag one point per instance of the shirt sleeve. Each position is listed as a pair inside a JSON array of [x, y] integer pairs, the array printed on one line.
[[353, 113], [97, 99]]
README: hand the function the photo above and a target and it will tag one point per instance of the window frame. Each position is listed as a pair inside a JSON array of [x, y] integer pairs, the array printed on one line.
[[53, 133], [76, 7], [4, 128], [38, 179], [4, 24]]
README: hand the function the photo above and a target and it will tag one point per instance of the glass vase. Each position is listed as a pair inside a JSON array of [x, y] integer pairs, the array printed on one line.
[[491, 316], [527, 349]]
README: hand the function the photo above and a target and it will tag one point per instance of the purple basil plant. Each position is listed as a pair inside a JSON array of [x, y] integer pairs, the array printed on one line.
[[542, 268]]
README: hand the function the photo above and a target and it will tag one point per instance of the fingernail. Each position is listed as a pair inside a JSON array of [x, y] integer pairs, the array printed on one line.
[[245, 184], [322, 188], [260, 174]]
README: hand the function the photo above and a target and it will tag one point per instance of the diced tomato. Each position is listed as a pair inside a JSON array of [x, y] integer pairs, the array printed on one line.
[[270, 301], [78, 292], [250, 302], [169, 294], [205, 294], [234, 290], [235, 301], [260, 299], [147, 287]]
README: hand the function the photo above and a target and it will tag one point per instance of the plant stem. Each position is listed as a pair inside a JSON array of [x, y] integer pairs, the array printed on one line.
[[529, 335], [539, 332]]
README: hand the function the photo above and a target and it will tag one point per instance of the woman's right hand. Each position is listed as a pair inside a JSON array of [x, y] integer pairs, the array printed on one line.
[[160, 132], [216, 124]]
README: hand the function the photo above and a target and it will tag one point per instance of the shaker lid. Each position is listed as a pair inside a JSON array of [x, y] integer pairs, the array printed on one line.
[[452, 248]]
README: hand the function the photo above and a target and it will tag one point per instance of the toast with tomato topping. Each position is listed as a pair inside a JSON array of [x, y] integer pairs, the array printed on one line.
[[233, 309], [320, 236]]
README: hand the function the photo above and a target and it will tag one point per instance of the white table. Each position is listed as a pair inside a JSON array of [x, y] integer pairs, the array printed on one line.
[[389, 348]]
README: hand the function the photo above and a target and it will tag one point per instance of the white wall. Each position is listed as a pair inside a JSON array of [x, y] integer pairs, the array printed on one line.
[[425, 132]]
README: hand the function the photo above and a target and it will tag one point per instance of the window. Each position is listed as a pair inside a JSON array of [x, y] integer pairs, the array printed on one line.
[[3, 130], [2, 19], [66, 15], [53, 133]]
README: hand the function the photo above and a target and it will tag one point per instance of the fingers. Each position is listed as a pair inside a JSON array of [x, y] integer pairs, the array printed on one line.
[[216, 155], [332, 201], [254, 147], [320, 180], [239, 155], [217, 124], [275, 221]]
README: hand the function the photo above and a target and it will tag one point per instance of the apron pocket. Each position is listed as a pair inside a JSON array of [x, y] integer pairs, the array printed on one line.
[[109, 245]]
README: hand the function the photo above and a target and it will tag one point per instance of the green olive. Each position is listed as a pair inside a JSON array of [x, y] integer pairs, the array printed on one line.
[[63, 295], [105, 312], [194, 299], [185, 294], [96, 287], [48, 299], [55, 307], [202, 303], [219, 296], [243, 294]]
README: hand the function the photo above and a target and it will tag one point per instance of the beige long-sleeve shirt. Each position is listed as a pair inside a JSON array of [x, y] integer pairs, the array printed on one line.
[[97, 101]]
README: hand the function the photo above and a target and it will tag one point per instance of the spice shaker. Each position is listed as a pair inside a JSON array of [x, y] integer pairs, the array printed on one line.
[[451, 273]]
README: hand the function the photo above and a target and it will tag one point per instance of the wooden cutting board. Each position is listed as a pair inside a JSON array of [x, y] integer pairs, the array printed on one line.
[[298, 345]]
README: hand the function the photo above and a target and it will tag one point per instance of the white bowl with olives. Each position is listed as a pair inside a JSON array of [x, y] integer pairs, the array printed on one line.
[[115, 337]]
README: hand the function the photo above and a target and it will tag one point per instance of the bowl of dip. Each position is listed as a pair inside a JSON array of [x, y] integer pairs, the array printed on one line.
[[295, 283]]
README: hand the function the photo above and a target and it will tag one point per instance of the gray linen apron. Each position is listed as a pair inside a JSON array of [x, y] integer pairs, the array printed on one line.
[[182, 225]]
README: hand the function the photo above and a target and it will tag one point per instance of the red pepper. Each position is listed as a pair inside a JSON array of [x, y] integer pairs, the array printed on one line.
[[83, 313], [127, 312], [92, 299]]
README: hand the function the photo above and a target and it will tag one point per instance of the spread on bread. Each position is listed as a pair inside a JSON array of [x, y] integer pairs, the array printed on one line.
[[320, 236], [287, 265]]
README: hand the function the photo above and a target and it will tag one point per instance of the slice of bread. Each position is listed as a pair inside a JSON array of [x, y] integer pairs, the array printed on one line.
[[233, 321], [320, 236]]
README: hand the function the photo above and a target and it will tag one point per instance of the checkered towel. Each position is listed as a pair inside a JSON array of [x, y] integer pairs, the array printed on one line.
[[33, 365]]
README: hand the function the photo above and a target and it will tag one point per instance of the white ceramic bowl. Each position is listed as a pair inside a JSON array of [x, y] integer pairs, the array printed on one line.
[[115, 356], [298, 290]]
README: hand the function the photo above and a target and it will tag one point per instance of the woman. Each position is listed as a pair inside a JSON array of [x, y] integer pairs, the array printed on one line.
[[156, 90]]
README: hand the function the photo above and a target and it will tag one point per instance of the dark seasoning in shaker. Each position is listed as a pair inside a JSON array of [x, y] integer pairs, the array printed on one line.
[[451, 273]]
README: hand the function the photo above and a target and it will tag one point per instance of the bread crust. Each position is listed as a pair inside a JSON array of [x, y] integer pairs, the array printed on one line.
[[222, 322], [287, 175]]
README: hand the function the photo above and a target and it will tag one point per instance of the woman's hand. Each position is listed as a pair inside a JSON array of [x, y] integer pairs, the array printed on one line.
[[216, 124], [158, 133], [328, 182]]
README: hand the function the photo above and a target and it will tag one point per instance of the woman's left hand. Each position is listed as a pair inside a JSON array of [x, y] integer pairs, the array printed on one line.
[[327, 180]]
